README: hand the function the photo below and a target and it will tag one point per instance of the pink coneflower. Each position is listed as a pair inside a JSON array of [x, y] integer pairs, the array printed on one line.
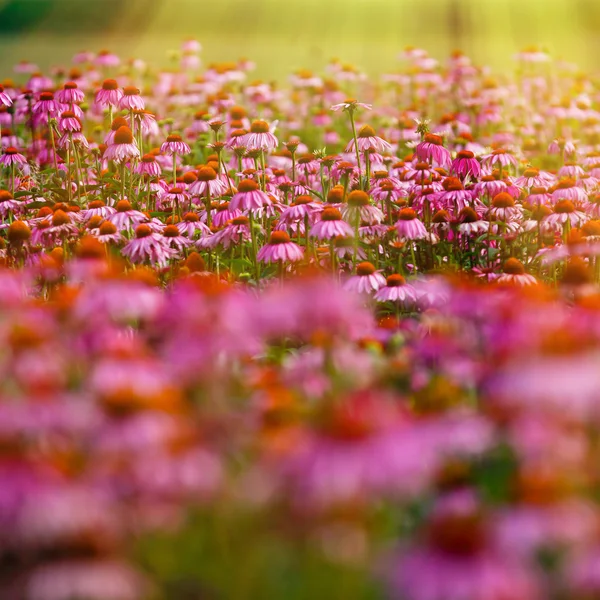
[[46, 105], [249, 197], [454, 197], [146, 121], [304, 208], [260, 137], [125, 217], [12, 157], [564, 210], [351, 105], [131, 99], [108, 233], [148, 166], [223, 214], [207, 183], [175, 239], [466, 165], [419, 172], [561, 146], [5, 99], [470, 223], [8, 205], [397, 290], [191, 224], [409, 226], [176, 197], [531, 178], [68, 122], [280, 249], [514, 273], [358, 209], [235, 232], [432, 150], [109, 95], [366, 281], [76, 138], [500, 158], [105, 58], [174, 145], [148, 246], [331, 225], [123, 148], [70, 94], [97, 208], [489, 186], [567, 189], [503, 208], [114, 127], [367, 140]]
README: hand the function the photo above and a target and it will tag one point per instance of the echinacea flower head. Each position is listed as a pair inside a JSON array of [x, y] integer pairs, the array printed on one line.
[[109, 95], [5, 99], [12, 156], [466, 165], [366, 281], [350, 105], [367, 140], [397, 290], [249, 197], [175, 145], [331, 225], [123, 147], [280, 249], [432, 150], [513, 272], [46, 105], [260, 137], [131, 99], [409, 226], [70, 93]]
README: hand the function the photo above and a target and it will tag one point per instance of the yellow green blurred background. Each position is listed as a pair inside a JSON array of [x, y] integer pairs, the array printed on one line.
[[284, 35]]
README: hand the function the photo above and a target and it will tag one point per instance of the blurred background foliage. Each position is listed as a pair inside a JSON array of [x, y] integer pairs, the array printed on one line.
[[284, 35]]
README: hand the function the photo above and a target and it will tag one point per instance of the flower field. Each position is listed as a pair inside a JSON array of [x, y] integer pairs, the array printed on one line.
[[335, 338]]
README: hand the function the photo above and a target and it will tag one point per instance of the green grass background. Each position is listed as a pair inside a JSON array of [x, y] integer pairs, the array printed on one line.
[[284, 35]]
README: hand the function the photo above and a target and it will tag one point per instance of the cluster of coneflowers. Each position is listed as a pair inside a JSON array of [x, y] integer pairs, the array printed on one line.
[[265, 343]]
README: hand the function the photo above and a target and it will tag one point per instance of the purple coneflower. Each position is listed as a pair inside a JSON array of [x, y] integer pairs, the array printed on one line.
[[70, 94], [5, 99], [358, 209], [175, 239], [367, 140], [396, 290], [123, 147], [207, 183], [366, 281], [174, 145], [12, 157], [432, 150], [109, 95], [466, 165], [131, 99], [249, 197], [125, 217], [280, 249], [260, 137], [409, 226], [148, 166], [107, 233], [148, 246], [331, 225], [351, 105], [514, 273]]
